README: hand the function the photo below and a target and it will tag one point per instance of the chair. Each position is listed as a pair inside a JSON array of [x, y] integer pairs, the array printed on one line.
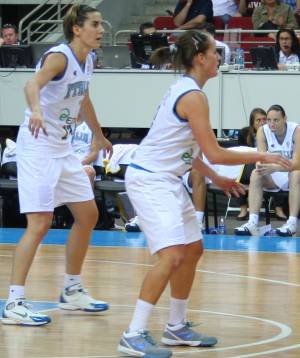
[[164, 23], [243, 22]]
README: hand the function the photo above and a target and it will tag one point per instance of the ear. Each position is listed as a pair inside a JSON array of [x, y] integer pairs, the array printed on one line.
[[76, 30]]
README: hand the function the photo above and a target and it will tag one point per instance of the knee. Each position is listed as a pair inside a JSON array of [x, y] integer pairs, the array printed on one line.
[[174, 259], [87, 218], [40, 227], [194, 252]]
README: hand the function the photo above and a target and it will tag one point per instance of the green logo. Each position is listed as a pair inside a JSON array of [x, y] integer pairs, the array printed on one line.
[[187, 157], [65, 116]]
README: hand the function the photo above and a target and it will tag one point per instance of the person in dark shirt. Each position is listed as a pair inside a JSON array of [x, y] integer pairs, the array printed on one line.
[[189, 14]]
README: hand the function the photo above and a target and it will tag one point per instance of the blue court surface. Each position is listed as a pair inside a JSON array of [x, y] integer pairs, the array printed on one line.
[[137, 240]]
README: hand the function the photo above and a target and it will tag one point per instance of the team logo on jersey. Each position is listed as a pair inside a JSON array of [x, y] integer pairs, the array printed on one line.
[[187, 157], [68, 120], [76, 89]]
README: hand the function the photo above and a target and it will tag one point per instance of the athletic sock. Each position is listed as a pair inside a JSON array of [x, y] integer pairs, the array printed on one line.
[[70, 280], [141, 316], [177, 311], [16, 291]]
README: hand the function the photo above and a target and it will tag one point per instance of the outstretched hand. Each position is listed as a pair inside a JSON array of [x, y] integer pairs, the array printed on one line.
[[230, 186], [276, 159]]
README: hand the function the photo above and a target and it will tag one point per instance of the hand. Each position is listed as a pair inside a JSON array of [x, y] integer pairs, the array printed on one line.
[[276, 159], [230, 186], [36, 122], [106, 145], [265, 169]]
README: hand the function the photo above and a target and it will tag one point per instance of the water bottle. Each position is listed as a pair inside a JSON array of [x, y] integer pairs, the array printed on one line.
[[240, 58], [222, 227]]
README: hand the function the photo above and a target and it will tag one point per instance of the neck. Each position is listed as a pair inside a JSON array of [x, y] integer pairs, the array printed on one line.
[[198, 77], [80, 51]]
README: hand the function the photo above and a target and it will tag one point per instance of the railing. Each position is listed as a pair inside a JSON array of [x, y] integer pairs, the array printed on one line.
[[55, 27]]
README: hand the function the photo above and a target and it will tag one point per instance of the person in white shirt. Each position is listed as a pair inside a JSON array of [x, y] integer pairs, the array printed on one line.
[[287, 48], [181, 128], [49, 174], [276, 136]]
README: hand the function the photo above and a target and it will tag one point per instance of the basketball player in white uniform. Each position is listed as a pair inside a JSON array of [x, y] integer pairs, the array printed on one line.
[[277, 136], [165, 211], [49, 174], [85, 147]]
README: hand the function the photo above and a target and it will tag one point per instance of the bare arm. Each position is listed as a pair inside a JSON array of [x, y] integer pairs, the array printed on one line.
[[179, 19], [193, 22], [296, 153], [194, 107], [91, 119], [54, 65], [92, 156]]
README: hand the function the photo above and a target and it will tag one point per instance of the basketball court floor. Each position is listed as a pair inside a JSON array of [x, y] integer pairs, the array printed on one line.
[[246, 292]]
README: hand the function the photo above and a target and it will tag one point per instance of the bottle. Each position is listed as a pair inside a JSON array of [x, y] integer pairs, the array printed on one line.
[[240, 58], [222, 227]]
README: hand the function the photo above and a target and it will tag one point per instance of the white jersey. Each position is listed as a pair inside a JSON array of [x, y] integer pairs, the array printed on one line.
[[60, 102], [170, 145], [287, 146], [82, 141]]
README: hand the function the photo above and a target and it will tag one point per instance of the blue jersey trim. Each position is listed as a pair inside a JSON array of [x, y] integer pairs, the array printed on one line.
[[135, 166], [60, 76], [175, 104]]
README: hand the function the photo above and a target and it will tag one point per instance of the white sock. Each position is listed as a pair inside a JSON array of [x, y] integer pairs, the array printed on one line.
[[254, 218], [16, 291], [177, 311], [141, 315], [70, 280], [293, 220], [199, 215]]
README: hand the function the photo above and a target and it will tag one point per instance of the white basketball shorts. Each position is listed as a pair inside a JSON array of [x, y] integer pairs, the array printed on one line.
[[45, 183], [164, 208]]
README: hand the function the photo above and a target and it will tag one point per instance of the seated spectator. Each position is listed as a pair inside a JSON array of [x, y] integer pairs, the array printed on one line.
[[189, 14], [246, 7], [287, 48], [147, 28], [85, 147], [9, 35], [273, 15], [277, 136], [210, 28], [225, 9]]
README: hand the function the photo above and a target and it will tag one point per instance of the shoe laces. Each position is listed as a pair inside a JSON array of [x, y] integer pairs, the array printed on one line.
[[24, 303], [145, 334], [190, 324]]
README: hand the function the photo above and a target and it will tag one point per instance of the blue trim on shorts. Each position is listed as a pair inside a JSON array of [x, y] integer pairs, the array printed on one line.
[[135, 166]]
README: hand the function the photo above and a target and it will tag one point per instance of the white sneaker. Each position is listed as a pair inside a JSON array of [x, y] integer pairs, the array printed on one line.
[[18, 312], [287, 229], [76, 297], [133, 225], [248, 229]]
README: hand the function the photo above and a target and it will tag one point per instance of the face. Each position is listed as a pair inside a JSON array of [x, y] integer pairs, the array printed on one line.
[[149, 31], [210, 60], [91, 33], [259, 120], [285, 42], [9, 36], [276, 122]]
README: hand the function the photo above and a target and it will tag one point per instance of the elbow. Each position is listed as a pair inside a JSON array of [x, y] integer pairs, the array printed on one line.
[[213, 158], [176, 22]]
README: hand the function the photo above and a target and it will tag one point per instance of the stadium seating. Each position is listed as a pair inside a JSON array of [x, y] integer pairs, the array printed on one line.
[[164, 23]]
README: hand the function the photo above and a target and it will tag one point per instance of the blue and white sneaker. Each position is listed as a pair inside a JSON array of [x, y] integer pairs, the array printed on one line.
[[183, 335], [287, 229], [75, 297], [141, 344], [18, 312]]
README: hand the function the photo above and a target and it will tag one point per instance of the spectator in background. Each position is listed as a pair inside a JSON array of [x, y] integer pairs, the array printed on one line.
[[246, 7], [189, 14], [226, 9], [147, 28], [273, 15], [9, 35], [294, 4], [287, 48], [210, 28]]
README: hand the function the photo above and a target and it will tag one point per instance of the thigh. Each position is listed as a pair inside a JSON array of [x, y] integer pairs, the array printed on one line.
[[37, 178], [156, 198], [73, 184]]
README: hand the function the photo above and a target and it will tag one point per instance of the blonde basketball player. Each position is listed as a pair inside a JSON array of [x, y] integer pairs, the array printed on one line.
[[167, 216], [49, 174]]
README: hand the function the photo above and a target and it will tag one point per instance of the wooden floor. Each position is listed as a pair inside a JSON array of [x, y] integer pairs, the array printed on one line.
[[250, 300]]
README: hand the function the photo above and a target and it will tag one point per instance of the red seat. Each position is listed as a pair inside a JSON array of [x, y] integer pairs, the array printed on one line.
[[164, 23], [243, 22], [218, 23]]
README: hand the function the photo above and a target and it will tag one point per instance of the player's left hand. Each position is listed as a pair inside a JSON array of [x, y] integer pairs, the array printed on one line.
[[230, 186], [106, 145]]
